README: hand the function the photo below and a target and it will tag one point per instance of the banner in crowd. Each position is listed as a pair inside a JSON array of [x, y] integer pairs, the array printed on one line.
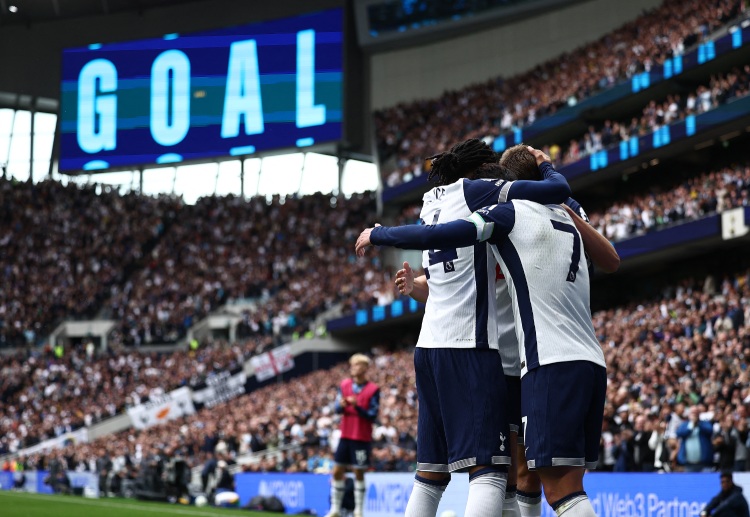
[[270, 364], [169, 406], [296, 491], [220, 388], [58, 442]]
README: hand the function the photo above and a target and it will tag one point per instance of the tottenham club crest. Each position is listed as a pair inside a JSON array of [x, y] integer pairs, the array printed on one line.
[[502, 442]]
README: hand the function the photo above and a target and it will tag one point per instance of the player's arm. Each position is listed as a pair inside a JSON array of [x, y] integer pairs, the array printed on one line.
[[552, 189], [598, 248], [407, 285], [457, 234], [340, 404], [488, 224], [370, 412]]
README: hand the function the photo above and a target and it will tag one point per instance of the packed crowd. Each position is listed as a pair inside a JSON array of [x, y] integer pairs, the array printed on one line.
[[677, 365], [692, 199], [721, 89], [297, 418], [409, 132], [661, 206], [679, 359], [62, 248], [274, 252], [157, 266], [41, 394]]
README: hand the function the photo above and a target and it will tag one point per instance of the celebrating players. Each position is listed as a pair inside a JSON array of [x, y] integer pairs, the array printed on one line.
[[456, 360], [549, 286]]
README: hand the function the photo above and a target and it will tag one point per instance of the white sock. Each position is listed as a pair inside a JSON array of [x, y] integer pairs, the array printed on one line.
[[530, 504], [486, 494], [337, 495], [425, 497], [359, 497], [576, 506], [510, 505]]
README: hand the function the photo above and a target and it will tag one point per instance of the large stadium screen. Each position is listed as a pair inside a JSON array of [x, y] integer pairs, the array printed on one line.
[[227, 92]]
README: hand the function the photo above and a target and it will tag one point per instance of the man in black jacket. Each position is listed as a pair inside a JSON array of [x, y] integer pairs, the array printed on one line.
[[729, 503]]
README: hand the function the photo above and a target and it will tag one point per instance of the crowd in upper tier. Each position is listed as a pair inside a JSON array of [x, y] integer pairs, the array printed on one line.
[[157, 266], [409, 132]]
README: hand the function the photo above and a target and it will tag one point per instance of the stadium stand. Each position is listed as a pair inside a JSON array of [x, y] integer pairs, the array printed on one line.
[[225, 248], [693, 199], [65, 248], [689, 347], [408, 133], [163, 265], [660, 204], [40, 394], [721, 89], [157, 266]]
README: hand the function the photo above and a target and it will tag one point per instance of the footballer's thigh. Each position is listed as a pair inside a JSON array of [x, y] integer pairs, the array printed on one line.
[[432, 450], [561, 405], [473, 407]]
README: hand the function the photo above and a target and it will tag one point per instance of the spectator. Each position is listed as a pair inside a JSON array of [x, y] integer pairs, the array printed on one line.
[[725, 444], [643, 455], [695, 452], [729, 503]]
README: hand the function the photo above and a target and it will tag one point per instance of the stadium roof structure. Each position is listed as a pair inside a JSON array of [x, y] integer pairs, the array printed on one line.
[[15, 12]]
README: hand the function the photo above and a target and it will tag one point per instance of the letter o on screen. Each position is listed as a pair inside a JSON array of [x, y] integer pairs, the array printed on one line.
[[170, 97]]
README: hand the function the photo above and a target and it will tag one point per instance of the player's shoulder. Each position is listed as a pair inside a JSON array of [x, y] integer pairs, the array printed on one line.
[[439, 193], [482, 184]]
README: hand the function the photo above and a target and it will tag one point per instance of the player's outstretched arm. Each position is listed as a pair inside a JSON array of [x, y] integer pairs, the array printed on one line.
[[457, 234], [599, 249], [407, 285], [551, 190]]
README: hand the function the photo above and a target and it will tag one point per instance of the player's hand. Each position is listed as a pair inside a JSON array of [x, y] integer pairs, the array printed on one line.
[[351, 399], [540, 156], [363, 241], [405, 280]]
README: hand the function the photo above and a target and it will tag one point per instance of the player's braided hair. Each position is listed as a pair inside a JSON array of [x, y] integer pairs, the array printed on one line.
[[461, 161]]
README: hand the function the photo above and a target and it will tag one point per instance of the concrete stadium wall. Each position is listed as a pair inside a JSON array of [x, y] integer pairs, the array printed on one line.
[[429, 70]]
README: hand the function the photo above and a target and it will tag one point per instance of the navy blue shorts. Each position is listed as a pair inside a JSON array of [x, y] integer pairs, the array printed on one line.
[[352, 453], [462, 409], [563, 407], [513, 384]]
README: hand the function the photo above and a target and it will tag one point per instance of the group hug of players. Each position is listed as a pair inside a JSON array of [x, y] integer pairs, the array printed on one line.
[[510, 376]]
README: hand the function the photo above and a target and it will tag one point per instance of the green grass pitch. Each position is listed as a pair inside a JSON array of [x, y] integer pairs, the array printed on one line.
[[16, 504]]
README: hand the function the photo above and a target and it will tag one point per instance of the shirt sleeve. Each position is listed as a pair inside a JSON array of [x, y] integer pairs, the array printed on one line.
[[457, 234], [493, 223], [552, 189], [480, 193]]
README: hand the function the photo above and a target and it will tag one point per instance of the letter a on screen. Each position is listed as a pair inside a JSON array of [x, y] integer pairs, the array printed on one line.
[[243, 91]]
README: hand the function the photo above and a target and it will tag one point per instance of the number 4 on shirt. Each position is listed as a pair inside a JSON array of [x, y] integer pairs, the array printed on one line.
[[446, 257]]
